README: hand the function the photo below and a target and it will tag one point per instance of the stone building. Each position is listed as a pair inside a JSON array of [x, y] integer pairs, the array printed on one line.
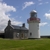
[[16, 32]]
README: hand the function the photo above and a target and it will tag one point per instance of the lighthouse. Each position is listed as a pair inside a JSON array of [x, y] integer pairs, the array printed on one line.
[[33, 22]]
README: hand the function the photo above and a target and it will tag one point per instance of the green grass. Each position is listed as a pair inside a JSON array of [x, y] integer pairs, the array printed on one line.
[[40, 44]]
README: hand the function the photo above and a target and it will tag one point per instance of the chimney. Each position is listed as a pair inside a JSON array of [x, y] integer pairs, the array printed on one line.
[[23, 25], [9, 22]]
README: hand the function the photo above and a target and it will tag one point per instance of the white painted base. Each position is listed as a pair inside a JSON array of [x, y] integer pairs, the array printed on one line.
[[33, 30]]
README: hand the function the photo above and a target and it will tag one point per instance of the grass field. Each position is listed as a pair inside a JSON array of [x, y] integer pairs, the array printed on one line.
[[40, 44]]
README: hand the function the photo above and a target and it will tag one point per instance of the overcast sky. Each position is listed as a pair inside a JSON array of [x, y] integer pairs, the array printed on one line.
[[18, 11]]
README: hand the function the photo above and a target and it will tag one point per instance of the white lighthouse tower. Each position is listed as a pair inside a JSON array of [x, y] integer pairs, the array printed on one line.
[[33, 22]]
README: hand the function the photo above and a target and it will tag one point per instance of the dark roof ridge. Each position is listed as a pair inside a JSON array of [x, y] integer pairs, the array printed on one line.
[[18, 27]]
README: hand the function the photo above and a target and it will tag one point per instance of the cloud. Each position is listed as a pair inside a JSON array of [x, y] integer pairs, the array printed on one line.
[[1, 0], [43, 3], [43, 24], [26, 4], [14, 22], [39, 0], [46, 2], [49, 11], [20, 17], [47, 15], [40, 3], [5, 15]]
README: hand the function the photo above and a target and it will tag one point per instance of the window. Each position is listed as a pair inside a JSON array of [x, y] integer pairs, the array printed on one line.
[[17, 35], [30, 34], [33, 15]]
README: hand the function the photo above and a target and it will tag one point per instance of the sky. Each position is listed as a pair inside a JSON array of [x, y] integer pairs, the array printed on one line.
[[18, 11]]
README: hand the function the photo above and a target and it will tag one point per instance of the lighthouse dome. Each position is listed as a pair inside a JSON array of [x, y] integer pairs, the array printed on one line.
[[33, 14], [33, 11]]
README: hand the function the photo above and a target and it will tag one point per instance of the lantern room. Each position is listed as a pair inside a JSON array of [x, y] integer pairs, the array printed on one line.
[[33, 17], [33, 14]]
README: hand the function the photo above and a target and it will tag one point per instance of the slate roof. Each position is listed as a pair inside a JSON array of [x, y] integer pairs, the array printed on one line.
[[18, 27]]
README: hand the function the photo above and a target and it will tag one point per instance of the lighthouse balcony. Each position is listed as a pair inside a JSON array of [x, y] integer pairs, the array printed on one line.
[[33, 20]]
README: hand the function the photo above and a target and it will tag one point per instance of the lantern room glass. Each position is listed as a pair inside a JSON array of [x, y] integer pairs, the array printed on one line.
[[33, 15]]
